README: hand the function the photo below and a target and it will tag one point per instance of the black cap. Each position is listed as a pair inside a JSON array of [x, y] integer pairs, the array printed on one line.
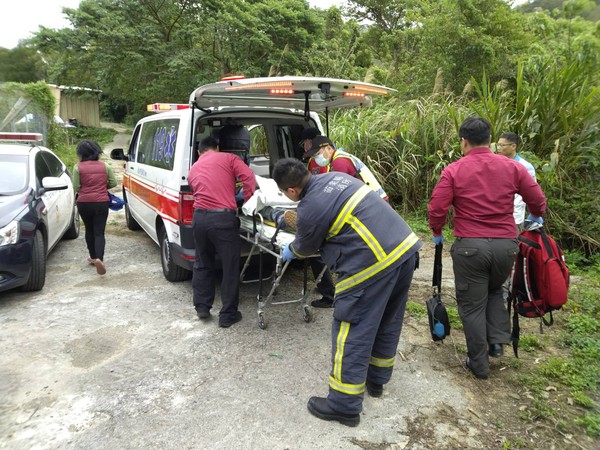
[[318, 143]]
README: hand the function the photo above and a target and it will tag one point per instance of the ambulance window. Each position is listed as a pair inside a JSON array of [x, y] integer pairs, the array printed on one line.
[[258, 141], [158, 141], [133, 145], [285, 143]]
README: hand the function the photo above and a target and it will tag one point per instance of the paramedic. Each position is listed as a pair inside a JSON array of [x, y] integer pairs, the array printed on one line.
[[507, 145], [350, 225], [324, 157], [216, 228], [481, 187], [91, 180]]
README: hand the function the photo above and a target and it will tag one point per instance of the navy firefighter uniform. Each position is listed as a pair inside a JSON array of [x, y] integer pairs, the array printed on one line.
[[373, 251]]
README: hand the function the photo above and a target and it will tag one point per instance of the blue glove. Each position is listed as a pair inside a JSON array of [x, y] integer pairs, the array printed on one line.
[[287, 254], [239, 197], [535, 219], [437, 240]]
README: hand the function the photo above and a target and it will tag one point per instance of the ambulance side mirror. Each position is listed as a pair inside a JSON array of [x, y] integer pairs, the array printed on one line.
[[118, 154]]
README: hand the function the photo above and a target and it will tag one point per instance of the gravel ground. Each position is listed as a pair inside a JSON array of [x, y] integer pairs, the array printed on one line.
[[121, 361]]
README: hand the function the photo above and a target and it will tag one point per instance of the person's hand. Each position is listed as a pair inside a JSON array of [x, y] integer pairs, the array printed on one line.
[[535, 219], [287, 254], [239, 197], [437, 240]]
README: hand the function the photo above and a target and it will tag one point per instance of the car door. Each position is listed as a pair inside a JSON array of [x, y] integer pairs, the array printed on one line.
[[50, 212], [65, 198]]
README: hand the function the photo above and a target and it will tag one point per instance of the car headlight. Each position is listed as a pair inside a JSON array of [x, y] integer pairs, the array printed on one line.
[[9, 234]]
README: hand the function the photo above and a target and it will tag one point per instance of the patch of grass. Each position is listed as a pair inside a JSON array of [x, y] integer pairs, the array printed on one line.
[[582, 399], [530, 343], [517, 443], [591, 423], [454, 318], [416, 310]]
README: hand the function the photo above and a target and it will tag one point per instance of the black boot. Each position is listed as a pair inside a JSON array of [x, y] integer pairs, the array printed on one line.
[[318, 407]]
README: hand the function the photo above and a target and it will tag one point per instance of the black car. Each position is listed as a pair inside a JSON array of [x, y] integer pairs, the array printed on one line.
[[37, 209]]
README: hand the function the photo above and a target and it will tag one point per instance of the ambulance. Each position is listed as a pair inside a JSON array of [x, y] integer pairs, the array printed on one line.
[[273, 110]]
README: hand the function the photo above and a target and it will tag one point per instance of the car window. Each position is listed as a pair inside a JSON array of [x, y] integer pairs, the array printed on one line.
[[157, 145], [14, 179], [41, 169], [55, 166]]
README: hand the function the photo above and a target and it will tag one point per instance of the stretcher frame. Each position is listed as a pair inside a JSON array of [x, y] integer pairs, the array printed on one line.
[[269, 239]]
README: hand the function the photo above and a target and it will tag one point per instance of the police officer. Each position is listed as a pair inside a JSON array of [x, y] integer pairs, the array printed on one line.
[[349, 224]]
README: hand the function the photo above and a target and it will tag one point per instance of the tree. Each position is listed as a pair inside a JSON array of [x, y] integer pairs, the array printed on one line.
[[21, 65]]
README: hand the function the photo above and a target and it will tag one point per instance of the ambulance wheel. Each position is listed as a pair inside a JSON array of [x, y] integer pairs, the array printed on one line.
[[307, 314], [130, 221], [262, 323], [171, 271]]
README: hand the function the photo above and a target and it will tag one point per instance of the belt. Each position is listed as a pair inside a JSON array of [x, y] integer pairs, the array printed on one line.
[[219, 210]]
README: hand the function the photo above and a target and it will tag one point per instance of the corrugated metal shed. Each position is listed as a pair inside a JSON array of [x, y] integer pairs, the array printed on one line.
[[73, 102]]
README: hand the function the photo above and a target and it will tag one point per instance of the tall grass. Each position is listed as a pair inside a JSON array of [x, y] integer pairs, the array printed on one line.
[[554, 109]]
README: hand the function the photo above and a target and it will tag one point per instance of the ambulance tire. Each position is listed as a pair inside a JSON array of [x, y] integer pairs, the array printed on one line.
[[171, 271], [130, 221]]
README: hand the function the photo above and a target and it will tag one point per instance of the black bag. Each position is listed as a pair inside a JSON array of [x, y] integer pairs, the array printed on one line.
[[439, 324]]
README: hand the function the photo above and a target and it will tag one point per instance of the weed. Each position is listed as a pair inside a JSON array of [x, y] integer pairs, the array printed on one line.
[[529, 343], [582, 399], [591, 423], [518, 443], [454, 318], [416, 310]]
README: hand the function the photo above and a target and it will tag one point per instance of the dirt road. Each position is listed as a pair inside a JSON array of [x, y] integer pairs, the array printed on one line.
[[121, 361]]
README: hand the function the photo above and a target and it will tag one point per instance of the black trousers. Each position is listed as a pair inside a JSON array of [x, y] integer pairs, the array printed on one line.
[[216, 233], [325, 286], [94, 216]]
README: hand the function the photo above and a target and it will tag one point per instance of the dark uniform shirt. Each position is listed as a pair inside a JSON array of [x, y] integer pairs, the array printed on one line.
[[357, 233]]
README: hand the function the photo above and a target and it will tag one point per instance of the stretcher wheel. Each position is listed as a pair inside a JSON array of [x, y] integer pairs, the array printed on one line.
[[262, 323], [307, 314]]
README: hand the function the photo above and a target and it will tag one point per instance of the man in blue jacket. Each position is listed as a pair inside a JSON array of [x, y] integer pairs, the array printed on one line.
[[373, 251]]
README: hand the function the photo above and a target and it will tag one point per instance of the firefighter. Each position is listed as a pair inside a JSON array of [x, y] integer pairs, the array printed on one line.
[[350, 225]]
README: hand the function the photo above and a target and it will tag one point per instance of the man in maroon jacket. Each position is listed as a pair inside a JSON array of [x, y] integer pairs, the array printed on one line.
[[216, 228], [481, 186]]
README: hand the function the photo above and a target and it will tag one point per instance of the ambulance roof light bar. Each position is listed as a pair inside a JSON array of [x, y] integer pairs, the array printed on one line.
[[25, 138], [162, 107]]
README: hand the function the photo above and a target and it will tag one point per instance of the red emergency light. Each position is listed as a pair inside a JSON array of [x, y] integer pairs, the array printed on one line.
[[354, 94], [162, 107], [233, 78], [281, 91], [22, 137]]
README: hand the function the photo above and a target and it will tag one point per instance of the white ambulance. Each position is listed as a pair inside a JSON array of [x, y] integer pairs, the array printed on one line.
[[163, 147]]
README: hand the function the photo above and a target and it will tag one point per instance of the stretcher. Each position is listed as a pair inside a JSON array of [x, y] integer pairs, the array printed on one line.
[[266, 238]]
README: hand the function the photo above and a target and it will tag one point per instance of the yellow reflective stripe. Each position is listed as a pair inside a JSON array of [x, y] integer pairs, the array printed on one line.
[[367, 236], [340, 343], [374, 269], [345, 388], [347, 210], [382, 362]]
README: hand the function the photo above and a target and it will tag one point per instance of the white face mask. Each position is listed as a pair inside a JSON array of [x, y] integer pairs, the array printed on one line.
[[321, 160]]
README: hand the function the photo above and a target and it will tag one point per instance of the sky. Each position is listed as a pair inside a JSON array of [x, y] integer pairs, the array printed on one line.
[[20, 18]]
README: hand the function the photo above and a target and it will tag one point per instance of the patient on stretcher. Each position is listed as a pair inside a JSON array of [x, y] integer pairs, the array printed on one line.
[[272, 205]]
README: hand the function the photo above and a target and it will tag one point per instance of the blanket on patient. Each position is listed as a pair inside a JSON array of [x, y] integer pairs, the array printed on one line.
[[267, 194]]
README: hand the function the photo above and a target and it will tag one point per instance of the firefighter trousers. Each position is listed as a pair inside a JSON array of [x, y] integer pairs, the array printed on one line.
[[367, 321]]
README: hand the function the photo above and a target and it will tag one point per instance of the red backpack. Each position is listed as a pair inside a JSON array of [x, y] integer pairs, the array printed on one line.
[[539, 282]]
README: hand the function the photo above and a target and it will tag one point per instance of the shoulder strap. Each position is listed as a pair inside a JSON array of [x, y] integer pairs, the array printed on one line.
[[437, 268]]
